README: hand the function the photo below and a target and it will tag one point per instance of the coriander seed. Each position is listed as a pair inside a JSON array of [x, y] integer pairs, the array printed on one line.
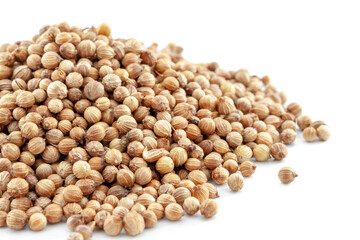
[[164, 165], [197, 176], [323, 132], [247, 168], [209, 208], [16, 219], [287, 175], [143, 175], [243, 153], [213, 192], [309, 134], [191, 205], [278, 151], [200, 192], [174, 212], [220, 175], [158, 209], [288, 136], [150, 218], [261, 152], [37, 222], [213, 160], [72, 194], [17, 187], [235, 182], [81, 169], [162, 128], [134, 223], [180, 194], [231, 165], [113, 225]]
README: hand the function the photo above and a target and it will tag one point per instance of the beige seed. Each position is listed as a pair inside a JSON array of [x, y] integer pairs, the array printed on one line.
[[261, 152], [209, 208], [113, 225], [16, 219], [247, 168], [235, 182], [278, 151], [309, 134], [174, 212], [323, 132], [134, 223], [191, 205], [37, 222], [150, 218], [287, 175]]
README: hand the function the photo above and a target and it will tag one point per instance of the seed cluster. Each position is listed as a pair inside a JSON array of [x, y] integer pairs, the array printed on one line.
[[112, 135]]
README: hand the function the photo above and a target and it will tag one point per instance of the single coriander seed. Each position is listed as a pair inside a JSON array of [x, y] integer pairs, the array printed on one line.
[[235, 182], [174, 212], [247, 168], [209, 208], [150, 218], [134, 223], [37, 222], [16, 219], [191, 205], [261, 152], [309, 134], [278, 151], [323, 132], [287, 175], [113, 225]]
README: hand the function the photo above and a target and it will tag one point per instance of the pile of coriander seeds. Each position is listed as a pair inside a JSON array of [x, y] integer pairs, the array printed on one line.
[[109, 134]]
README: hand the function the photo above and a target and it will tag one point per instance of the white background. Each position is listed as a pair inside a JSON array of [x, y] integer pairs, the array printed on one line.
[[311, 51]]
